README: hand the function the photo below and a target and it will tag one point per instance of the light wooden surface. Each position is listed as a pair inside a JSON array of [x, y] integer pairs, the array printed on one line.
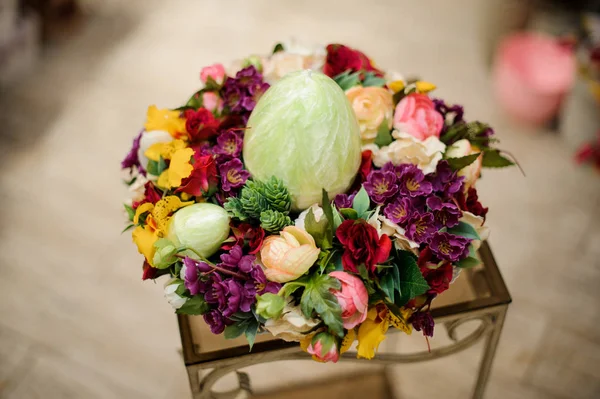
[[77, 322]]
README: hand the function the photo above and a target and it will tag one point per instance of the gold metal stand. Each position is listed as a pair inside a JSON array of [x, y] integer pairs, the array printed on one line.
[[477, 295]]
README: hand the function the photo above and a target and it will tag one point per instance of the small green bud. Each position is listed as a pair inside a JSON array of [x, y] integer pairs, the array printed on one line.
[[269, 305], [165, 253]]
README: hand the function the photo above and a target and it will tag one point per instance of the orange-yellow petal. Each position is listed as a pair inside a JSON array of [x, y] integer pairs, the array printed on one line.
[[163, 180], [180, 166], [144, 239], [401, 323], [165, 119], [370, 334], [155, 151], [146, 207]]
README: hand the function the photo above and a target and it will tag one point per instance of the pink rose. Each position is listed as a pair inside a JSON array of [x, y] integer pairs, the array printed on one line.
[[215, 71], [416, 115], [212, 102], [324, 348], [353, 298]]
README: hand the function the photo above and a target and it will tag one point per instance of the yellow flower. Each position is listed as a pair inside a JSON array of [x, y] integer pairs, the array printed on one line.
[[348, 341], [165, 119], [372, 331], [397, 85], [424, 87], [180, 166], [289, 255], [164, 150], [155, 225]]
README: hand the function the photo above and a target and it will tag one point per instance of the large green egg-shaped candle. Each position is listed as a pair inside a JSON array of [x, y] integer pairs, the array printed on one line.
[[303, 130], [202, 227]]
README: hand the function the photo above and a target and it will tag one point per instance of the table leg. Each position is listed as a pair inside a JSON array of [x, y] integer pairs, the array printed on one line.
[[489, 351]]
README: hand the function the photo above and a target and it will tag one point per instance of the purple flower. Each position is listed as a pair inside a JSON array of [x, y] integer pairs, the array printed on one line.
[[381, 186], [412, 181], [422, 321], [193, 269], [449, 247], [420, 227], [215, 321], [446, 214], [261, 283], [241, 93], [233, 174], [231, 259], [452, 114], [344, 200], [234, 297], [229, 144], [131, 159], [217, 292], [445, 180], [246, 264], [399, 211]]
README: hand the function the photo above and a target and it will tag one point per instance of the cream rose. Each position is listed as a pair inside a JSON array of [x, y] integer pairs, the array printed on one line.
[[471, 172], [385, 226], [292, 326], [407, 149], [372, 106]]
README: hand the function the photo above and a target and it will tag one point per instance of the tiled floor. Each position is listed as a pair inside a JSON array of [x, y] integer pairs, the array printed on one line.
[[77, 322]]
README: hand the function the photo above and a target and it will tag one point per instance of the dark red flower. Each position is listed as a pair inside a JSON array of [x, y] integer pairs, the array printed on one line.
[[362, 245], [200, 124], [151, 194], [470, 202], [149, 272], [366, 163], [245, 234], [438, 279], [341, 58], [203, 178]]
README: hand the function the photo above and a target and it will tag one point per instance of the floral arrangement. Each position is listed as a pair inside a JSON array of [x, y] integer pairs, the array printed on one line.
[[310, 195]]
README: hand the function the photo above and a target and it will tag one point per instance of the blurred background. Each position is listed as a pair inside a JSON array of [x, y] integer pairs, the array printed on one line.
[[76, 321]]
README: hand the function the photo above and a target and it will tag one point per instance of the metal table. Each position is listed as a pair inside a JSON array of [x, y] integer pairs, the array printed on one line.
[[478, 294]]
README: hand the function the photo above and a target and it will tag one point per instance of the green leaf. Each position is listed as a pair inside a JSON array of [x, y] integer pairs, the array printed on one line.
[[493, 159], [129, 227], [361, 202], [251, 332], [467, 263], [337, 218], [317, 297], [462, 162], [212, 85], [349, 213], [390, 283], [465, 230], [412, 283], [318, 230], [398, 97], [196, 305], [371, 79], [347, 79], [235, 330], [278, 47], [384, 137], [290, 288], [363, 272], [130, 212], [156, 168]]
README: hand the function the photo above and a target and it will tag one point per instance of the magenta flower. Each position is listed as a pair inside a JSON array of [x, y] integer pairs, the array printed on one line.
[[422, 321], [131, 159], [241, 93], [399, 211], [229, 144], [233, 174], [446, 214], [449, 247], [420, 227], [445, 180], [344, 200], [193, 271], [215, 321], [232, 259], [381, 186], [412, 181]]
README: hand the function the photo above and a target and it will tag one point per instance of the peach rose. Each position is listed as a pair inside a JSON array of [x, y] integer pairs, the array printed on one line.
[[372, 106], [471, 172], [289, 255], [215, 71], [353, 298], [416, 115]]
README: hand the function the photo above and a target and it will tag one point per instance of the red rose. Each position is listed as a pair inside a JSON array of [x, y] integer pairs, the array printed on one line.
[[245, 234], [341, 58], [201, 124], [470, 202], [203, 178], [149, 272], [362, 245], [438, 279]]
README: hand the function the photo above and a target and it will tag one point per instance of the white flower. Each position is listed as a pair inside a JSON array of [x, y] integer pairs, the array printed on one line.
[[292, 325], [396, 233], [471, 172], [173, 298], [477, 223], [408, 149], [317, 211], [294, 46], [137, 187], [280, 64]]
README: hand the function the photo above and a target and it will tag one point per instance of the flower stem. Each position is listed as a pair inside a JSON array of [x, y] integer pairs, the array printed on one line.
[[215, 267]]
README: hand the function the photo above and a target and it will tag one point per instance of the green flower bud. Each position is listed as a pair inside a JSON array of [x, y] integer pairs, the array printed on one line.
[[269, 306], [165, 253]]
